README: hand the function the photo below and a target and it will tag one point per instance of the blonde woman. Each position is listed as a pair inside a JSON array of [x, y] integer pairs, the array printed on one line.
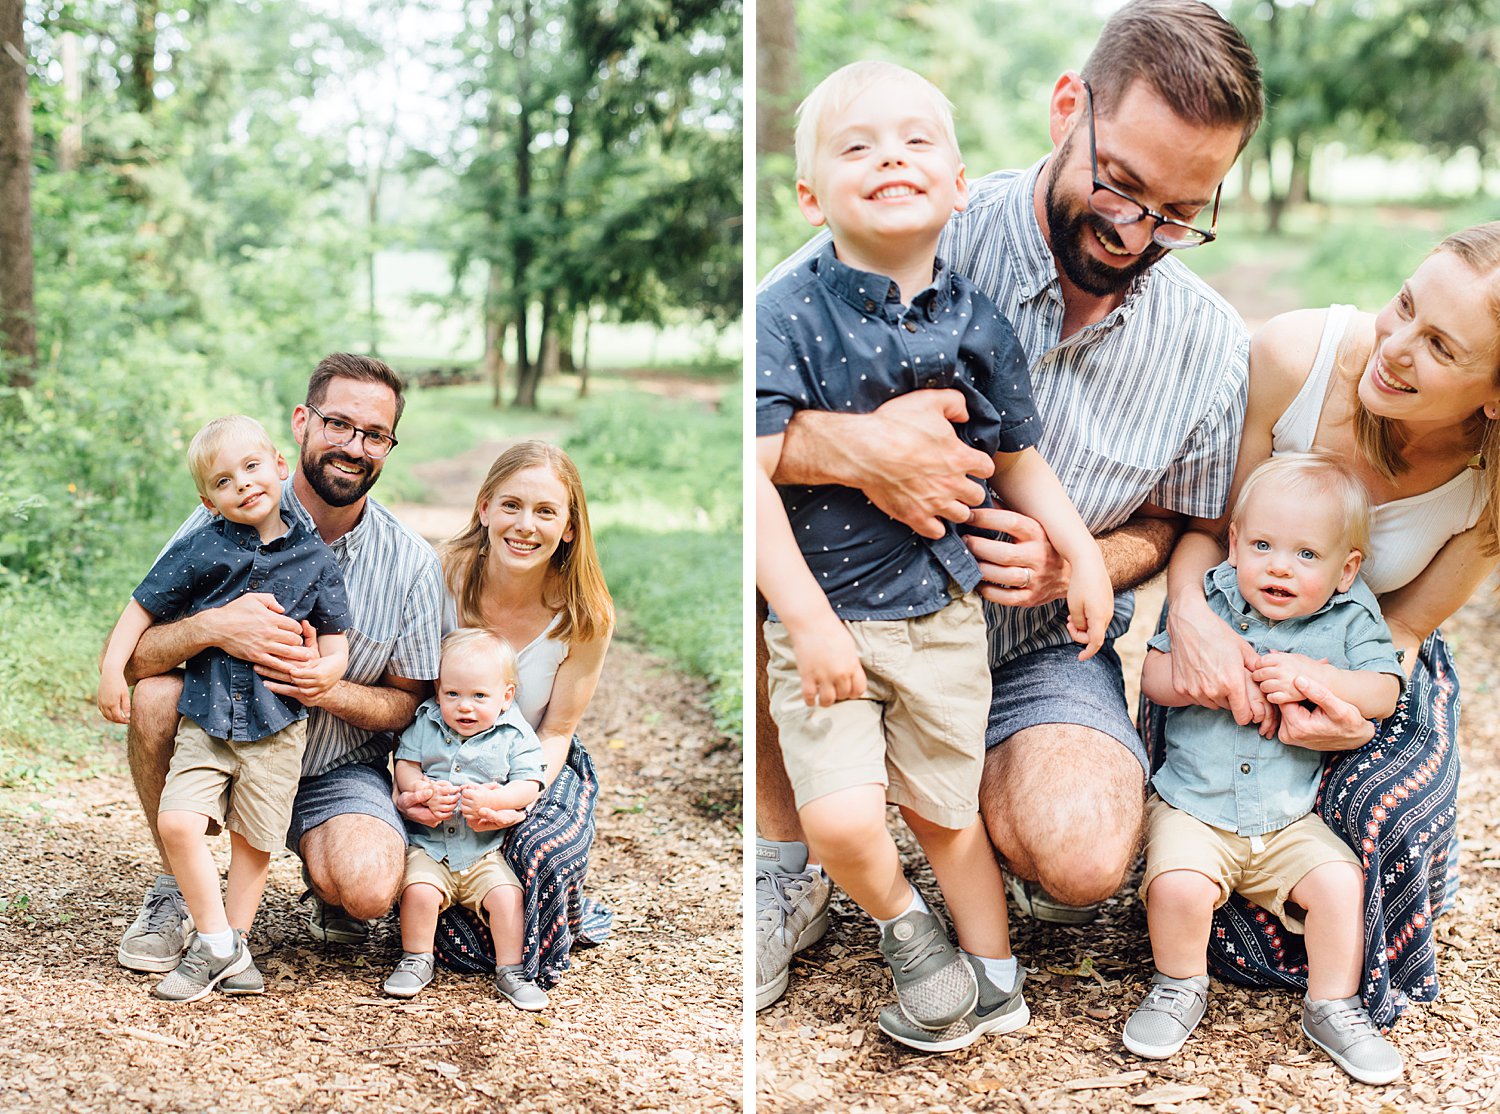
[[525, 567], [1409, 398]]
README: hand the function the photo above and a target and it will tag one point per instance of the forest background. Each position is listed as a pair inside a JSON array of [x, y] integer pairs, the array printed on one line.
[[523, 206]]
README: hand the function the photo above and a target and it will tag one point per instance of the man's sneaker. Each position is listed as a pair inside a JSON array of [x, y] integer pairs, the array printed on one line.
[[1162, 1023], [1030, 899], [1342, 1028], [161, 930], [513, 985], [413, 973], [200, 971], [934, 985], [997, 1011], [791, 913], [332, 925]]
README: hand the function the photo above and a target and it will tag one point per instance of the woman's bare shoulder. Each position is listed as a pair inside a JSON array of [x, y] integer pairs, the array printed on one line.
[[1283, 349]]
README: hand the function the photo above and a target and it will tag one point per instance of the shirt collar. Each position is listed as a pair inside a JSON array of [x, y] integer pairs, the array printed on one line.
[[248, 537], [1222, 579], [877, 294], [511, 716]]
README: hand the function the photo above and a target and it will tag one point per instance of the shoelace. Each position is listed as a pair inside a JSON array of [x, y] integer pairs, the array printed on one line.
[[919, 948], [412, 965], [1353, 1021], [773, 902], [161, 910], [1175, 1000]]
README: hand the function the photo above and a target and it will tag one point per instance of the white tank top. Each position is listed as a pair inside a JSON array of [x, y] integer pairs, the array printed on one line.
[[537, 664], [1405, 534]]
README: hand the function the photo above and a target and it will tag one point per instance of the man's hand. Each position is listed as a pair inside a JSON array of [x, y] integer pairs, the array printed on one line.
[[1330, 725], [428, 802], [494, 819], [1025, 572], [1211, 663], [918, 469], [308, 681], [827, 661], [254, 628]]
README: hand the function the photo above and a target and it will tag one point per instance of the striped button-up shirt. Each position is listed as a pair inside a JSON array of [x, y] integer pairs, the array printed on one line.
[[1143, 406], [395, 599]]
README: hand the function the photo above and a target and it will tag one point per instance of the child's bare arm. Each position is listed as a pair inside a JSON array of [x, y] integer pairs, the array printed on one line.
[[1156, 681], [114, 690], [1374, 693], [826, 658], [1026, 483]]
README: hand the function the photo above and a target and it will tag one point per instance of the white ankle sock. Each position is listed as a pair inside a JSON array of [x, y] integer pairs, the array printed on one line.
[[1001, 972], [220, 944], [917, 904]]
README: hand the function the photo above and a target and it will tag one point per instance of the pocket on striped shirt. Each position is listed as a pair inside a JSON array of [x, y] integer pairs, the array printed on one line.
[[368, 657], [1107, 491]]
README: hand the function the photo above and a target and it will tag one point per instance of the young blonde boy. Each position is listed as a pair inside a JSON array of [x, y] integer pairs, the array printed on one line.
[[468, 749], [238, 752], [879, 674], [1232, 812]]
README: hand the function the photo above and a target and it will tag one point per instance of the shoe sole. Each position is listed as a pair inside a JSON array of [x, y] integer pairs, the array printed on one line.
[[1154, 1051], [233, 969], [1000, 1024], [404, 993], [532, 1007], [235, 992], [1363, 1075], [766, 994]]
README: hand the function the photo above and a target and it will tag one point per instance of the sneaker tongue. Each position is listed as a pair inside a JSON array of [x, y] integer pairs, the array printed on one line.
[[788, 858]]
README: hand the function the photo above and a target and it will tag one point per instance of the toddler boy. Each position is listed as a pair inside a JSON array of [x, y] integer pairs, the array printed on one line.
[[1232, 812], [469, 748], [879, 677], [238, 752]]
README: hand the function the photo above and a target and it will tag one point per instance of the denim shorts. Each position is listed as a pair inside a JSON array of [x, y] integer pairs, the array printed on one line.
[[1052, 686], [352, 788]]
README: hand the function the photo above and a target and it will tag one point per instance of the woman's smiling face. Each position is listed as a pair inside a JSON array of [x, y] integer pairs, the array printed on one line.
[[528, 517]]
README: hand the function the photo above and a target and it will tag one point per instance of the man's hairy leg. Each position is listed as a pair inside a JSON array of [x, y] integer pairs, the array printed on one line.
[[775, 804], [1064, 806], [355, 862], [148, 744]]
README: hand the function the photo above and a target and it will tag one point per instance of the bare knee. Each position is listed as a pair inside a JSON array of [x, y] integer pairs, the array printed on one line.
[[845, 838], [1182, 890], [153, 718], [503, 901], [356, 862], [1333, 886], [421, 897], [179, 827]]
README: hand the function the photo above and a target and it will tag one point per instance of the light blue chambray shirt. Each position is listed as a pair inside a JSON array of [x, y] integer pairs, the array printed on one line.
[[508, 751], [1227, 775]]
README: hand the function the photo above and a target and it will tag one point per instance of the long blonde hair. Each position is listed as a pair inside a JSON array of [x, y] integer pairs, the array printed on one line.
[[575, 582], [1479, 248]]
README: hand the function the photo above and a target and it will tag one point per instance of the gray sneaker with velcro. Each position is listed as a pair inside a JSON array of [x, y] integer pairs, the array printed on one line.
[[934, 984], [996, 1011], [1342, 1028], [1164, 1020]]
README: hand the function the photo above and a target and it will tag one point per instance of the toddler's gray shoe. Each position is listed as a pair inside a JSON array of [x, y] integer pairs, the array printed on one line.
[[934, 986], [200, 971], [160, 932], [996, 1011], [1162, 1023], [513, 985], [1342, 1028], [248, 981], [791, 913], [413, 973]]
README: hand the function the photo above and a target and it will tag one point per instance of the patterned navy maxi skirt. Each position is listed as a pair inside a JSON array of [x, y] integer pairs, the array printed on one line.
[[1395, 802], [549, 851]]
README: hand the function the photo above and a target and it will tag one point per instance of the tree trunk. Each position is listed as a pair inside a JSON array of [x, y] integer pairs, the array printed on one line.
[[775, 87], [523, 250], [495, 328], [373, 176], [583, 364], [17, 264], [70, 141], [143, 57]]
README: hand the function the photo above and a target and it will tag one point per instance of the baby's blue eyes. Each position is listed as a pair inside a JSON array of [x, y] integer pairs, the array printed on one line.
[[1302, 554], [1307, 555], [1261, 547]]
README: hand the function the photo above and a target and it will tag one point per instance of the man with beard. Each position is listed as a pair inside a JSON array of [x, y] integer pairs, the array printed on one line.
[[1138, 370], [344, 826]]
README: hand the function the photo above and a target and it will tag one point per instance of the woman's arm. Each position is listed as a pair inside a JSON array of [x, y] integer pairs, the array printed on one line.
[[572, 689], [1416, 609]]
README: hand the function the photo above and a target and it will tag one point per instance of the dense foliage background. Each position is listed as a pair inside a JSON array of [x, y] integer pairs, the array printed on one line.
[[200, 198]]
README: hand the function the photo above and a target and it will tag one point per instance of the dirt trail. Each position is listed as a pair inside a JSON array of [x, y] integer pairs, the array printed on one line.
[[649, 1021]]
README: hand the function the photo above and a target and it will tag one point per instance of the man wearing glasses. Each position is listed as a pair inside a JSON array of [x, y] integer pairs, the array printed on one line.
[[1139, 374], [344, 826]]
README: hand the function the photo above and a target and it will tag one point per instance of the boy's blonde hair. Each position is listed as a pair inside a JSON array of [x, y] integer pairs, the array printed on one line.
[[480, 640], [1316, 471], [834, 93], [209, 441]]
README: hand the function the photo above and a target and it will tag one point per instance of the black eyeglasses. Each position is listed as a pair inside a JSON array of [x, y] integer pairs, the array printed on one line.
[[1120, 208], [339, 433]]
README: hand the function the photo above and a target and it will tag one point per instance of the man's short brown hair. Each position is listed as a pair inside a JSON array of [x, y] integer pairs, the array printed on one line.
[[367, 369], [1194, 58]]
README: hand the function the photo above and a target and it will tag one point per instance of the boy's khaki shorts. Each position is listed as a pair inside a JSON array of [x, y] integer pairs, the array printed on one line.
[[466, 887], [1177, 841], [245, 787], [919, 728]]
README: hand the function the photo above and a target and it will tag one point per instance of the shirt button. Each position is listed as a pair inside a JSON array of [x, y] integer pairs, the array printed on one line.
[[910, 326], [869, 307], [239, 696], [1244, 767], [452, 830], [1244, 626]]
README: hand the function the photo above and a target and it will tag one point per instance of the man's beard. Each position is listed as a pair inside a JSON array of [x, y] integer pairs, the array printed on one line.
[[1068, 227], [336, 488]]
